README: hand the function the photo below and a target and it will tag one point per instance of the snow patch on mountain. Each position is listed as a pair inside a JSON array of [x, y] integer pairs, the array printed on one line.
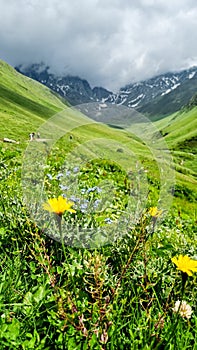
[[135, 95], [191, 75], [169, 90]]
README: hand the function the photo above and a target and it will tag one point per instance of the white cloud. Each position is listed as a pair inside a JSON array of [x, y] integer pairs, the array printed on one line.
[[108, 42]]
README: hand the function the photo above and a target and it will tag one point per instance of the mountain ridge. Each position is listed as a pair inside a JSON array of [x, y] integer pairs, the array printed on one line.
[[151, 96]]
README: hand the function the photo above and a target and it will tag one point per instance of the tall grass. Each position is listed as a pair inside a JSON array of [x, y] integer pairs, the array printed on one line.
[[118, 296], [114, 290]]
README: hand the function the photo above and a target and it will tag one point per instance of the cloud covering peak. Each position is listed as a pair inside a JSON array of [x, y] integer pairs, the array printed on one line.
[[108, 42]]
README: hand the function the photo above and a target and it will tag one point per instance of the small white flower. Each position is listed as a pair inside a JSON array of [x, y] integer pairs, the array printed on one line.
[[184, 309]]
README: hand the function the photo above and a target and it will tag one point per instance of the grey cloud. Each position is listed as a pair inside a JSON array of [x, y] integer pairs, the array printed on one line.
[[108, 42]]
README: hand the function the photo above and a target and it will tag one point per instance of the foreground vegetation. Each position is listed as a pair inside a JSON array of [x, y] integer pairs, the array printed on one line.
[[122, 295], [114, 284]]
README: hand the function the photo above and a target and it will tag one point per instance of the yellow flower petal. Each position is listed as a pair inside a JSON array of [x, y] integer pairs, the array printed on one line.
[[154, 212], [58, 205], [185, 264]]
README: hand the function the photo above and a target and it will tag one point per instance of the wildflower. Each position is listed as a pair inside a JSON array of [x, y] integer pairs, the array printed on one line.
[[59, 175], [75, 199], [58, 205], [108, 221], [96, 203], [154, 212], [185, 264], [63, 188], [183, 308], [93, 189], [84, 206], [50, 176], [75, 169]]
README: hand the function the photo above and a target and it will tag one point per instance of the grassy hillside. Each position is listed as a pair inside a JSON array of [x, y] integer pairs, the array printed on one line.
[[24, 104], [180, 133], [180, 129], [87, 260]]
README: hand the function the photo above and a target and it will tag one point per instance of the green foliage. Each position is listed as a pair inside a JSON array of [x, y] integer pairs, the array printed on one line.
[[24, 104], [118, 296], [184, 192]]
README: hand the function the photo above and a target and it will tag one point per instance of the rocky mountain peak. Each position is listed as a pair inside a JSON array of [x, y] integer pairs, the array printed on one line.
[[139, 95]]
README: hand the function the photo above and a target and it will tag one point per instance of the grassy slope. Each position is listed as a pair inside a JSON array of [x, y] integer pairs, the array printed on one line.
[[180, 132], [61, 298], [26, 104], [179, 127]]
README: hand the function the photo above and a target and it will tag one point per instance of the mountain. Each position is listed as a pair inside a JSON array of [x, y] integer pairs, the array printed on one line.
[[158, 96], [139, 94], [192, 102], [74, 89], [175, 99]]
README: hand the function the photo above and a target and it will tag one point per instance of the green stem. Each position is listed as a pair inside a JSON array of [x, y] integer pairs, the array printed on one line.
[[184, 280], [59, 219], [125, 268]]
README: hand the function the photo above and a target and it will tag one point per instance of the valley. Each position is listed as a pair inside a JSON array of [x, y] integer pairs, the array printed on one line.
[[97, 222]]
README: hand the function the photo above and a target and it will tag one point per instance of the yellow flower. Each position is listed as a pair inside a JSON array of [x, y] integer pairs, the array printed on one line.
[[183, 308], [185, 264], [154, 212], [58, 205]]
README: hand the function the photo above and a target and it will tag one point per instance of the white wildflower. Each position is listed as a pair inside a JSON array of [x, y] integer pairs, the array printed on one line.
[[183, 308]]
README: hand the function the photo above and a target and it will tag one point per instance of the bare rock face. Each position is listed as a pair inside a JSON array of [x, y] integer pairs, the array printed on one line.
[[160, 95]]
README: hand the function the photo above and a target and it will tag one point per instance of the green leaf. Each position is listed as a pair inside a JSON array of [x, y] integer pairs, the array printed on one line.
[[13, 330], [39, 294]]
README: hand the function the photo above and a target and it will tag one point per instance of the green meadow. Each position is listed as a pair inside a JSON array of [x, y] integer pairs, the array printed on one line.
[[95, 272]]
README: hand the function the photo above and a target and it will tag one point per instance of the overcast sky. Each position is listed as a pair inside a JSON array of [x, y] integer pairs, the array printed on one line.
[[108, 42]]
